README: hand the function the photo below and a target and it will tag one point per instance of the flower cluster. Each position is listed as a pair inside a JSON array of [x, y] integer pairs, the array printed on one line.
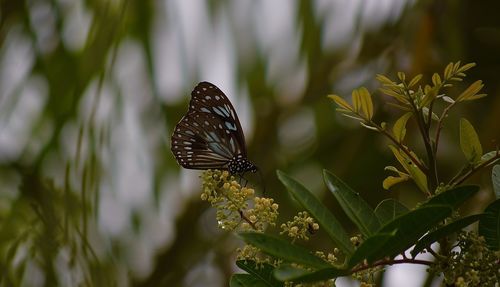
[[470, 263], [237, 206], [301, 227]]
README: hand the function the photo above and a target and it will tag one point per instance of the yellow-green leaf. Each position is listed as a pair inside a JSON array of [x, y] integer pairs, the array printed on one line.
[[356, 100], [448, 71], [471, 91], [384, 80], [399, 128], [436, 80], [393, 180], [415, 80], [340, 102], [415, 173], [466, 67], [366, 102], [469, 142]]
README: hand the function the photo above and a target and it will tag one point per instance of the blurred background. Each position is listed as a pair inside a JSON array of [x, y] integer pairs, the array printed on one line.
[[90, 194]]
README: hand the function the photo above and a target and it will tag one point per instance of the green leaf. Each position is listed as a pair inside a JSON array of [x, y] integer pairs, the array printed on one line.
[[246, 280], [470, 93], [341, 102], [495, 178], [410, 227], [454, 197], [388, 209], [373, 248], [298, 275], [393, 180], [399, 128], [283, 249], [489, 225], [366, 102], [469, 142], [263, 271], [316, 209], [353, 205], [413, 170], [415, 80], [443, 231]]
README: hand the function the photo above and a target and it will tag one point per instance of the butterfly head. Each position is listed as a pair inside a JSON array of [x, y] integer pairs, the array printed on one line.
[[239, 164]]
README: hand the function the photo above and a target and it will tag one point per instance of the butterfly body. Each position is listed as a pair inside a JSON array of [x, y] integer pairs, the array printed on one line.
[[210, 136]]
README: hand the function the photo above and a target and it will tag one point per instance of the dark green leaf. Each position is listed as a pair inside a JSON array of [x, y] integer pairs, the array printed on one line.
[[353, 205], [371, 249], [489, 225], [410, 227], [495, 177], [280, 248], [454, 197], [388, 209], [245, 280], [316, 209], [298, 275], [443, 231], [263, 271]]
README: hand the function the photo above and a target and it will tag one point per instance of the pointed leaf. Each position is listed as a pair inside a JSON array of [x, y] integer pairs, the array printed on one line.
[[410, 227], [415, 80], [283, 249], [366, 102], [416, 174], [372, 249], [489, 226], [298, 275], [353, 205], [471, 91], [390, 181], [399, 129], [262, 271], [495, 177], [388, 209], [246, 280], [454, 197], [340, 102], [443, 231], [316, 209], [469, 142]]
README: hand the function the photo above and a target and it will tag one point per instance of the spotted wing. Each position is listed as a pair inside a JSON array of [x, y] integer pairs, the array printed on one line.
[[210, 134]]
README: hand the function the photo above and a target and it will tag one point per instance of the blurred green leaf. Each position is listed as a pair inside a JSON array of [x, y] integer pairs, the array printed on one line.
[[489, 225], [443, 231], [298, 275], [316, 209], [469, 142], [262, 271], [246, 280], [388, 209], [353, 205], [495, 178], [283, 249]]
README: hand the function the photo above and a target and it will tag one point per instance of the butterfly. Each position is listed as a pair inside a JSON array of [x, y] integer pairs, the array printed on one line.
[[210, 136]]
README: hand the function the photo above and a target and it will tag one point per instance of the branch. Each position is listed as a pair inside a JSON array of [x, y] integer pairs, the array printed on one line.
[[476, 168], [391, 262]]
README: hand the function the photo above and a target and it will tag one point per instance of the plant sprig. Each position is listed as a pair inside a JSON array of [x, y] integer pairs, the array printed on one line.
[[418, 103]]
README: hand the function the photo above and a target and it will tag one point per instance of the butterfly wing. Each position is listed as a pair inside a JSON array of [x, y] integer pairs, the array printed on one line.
[[210, 134]]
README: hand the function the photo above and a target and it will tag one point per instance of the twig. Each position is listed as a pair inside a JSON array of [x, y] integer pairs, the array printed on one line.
[[391, 262]]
